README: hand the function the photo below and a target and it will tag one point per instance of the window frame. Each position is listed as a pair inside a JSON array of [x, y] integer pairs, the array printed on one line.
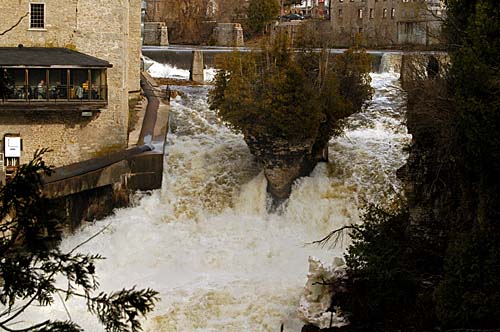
[[44, 6]]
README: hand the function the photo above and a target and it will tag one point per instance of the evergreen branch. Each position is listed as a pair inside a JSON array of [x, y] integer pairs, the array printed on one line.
[[31, 328]]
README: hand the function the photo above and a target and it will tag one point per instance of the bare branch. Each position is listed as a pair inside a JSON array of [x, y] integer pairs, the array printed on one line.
[[334, 236], [90, 238], [15, 25]]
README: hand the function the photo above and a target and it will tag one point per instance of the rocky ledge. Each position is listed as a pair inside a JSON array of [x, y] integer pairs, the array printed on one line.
[[283, 162]]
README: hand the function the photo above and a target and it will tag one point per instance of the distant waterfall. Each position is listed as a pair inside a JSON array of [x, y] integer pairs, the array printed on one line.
[[390, 63]]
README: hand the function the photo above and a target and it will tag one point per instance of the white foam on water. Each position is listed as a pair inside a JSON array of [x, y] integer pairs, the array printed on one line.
[[206, 242], [162, 70], [159, 70]]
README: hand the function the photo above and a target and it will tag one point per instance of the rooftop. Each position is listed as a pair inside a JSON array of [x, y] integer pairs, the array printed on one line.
[[48, 57]]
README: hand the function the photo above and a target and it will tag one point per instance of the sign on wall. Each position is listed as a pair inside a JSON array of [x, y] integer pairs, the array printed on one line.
[[12, 146]]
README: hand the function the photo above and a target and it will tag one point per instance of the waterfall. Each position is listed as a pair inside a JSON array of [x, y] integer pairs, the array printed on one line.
[[390, 63], [205, 241]]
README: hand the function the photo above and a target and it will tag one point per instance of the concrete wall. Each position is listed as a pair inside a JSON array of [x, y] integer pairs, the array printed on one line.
[[107, 29], [94, 195]]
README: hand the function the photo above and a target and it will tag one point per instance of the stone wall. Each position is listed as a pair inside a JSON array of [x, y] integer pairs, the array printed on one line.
[[192, 21], [134, 47], [107, 29], [292, 29], [155, 33], [228, 34]]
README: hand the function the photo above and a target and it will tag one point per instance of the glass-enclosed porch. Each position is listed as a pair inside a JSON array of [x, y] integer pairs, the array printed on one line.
[[54, 85], [51, 78]]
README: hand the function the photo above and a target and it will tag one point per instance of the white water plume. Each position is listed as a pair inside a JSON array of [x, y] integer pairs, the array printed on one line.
[[391, 63], [205, 241], [162, 70]]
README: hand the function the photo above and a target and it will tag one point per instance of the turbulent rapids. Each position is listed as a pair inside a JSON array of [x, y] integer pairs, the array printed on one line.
[[206, 242]]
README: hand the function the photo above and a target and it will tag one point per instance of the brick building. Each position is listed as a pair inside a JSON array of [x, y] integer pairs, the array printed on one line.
[[69, 68]]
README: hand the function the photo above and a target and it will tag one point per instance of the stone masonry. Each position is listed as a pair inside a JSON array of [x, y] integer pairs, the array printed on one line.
[[155, 33], [385, 23], [107, 29], [228, 34]]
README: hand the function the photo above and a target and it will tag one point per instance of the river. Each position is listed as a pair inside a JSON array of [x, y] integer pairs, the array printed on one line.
[[205, 241]]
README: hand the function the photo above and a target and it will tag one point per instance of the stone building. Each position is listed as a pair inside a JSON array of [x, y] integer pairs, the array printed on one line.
[[385, 23], [69, 70], [319, 9]]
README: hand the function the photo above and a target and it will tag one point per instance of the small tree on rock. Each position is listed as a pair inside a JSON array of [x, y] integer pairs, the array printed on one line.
[[289, 103]]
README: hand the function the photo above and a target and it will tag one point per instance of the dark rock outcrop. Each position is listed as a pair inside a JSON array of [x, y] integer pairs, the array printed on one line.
[[283, 161]]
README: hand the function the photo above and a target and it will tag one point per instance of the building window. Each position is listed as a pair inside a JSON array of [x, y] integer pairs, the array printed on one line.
[[384, 13], [360, 13], [37, 16], [371, 12], [340, 12], [393, 12]]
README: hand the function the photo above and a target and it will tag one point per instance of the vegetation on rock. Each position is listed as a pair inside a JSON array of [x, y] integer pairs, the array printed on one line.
[[289, 103], [31, 264]]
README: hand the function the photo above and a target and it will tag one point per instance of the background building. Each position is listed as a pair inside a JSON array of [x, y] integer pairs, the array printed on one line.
[[386, 22], [108, 34]]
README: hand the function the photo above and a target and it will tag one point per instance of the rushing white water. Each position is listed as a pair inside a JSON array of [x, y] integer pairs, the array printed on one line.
[[390, 63], [162, 70], [206, 242]]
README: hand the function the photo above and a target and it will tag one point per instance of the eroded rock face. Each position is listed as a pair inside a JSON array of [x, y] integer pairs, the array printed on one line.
[[283, 162], [281, 178]]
